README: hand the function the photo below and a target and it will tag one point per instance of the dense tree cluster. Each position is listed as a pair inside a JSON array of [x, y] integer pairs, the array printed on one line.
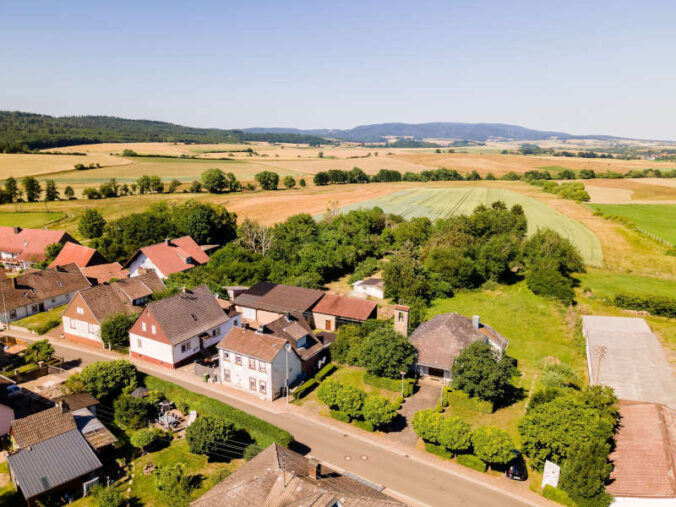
[[356, 404], [480, 373]]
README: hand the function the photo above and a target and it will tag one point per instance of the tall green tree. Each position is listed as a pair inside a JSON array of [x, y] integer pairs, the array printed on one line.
[[289, 182], [143, 184], [387, 353], [51, 192], [268, 180], [585, 472], [214, 180], [69, 192], [208, 434], [480, 373], [115, 330], [31, 188], [173, 485], [105, 380], [91, 224], [12, 189], [492, 445], [52, 250]]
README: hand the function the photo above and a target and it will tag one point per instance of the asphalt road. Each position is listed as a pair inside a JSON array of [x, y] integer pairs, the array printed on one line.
[[415, 480]]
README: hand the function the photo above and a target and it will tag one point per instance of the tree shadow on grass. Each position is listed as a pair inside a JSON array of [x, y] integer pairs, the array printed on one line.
[[513, 395]]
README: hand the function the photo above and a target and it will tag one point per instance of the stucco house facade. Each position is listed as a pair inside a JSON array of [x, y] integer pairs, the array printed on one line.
[[168, 257]]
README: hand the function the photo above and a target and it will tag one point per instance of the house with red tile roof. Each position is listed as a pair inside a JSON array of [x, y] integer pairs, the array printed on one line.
[[102, 273], [333, 310], [21, 248], [267, 301], [174, 330], [83, 316], [167, 257], [82, 256]]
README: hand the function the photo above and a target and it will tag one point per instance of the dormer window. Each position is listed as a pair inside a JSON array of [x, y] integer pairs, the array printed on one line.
[[58, 283], [33, 290], [188, 260], [194, 317]]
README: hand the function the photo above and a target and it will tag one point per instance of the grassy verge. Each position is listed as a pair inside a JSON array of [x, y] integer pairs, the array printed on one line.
[[657, 219], [8, 493], [34, 322], [262, 432]]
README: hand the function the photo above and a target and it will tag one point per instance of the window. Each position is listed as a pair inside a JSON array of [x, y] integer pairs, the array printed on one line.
[[226, 356], [58, 283], [80, 310], [400, 316], [252, 383], [153, 329], [143, 326], [12, 314], [226, 375], [252, 363], [183, 347], [72, 324], [238, 360], [261, 366], [91, 327], [262, 386], [139, 343], [216, 332], [53, 300], [34, 308]]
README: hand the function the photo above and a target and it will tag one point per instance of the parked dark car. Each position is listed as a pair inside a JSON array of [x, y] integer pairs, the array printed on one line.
[[516, 468]]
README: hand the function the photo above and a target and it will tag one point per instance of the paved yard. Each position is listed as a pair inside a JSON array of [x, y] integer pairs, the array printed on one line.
[[427, 396], [632, 360]]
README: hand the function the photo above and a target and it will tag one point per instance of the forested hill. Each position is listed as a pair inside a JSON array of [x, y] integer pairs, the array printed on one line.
[[438, 130], [27, 131]]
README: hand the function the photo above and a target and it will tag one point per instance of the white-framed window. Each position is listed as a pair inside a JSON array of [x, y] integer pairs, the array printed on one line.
[[216, 332], [153, 329], [252, 363], [226, 356], [261, 366], [238, 359], [226, 375], [143, 326], [262, 386], [79, 310], [91, 328], [73, 324], [252, 383], [139, 343]]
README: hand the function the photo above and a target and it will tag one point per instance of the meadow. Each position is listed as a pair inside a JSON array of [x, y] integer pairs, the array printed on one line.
[[445, 202], [29, 220], [657, 219]]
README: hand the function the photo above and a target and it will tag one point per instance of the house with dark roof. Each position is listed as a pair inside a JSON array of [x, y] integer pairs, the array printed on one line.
[[84, 314], [170, 256], [103, 273], [174, 330], [267, 301], [332, 310], [283, 478], [39, 291], [440, 340], [81, 256], [265, 360], [21, 248]]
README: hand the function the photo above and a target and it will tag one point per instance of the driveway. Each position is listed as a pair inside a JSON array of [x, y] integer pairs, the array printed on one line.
[[427, 396]]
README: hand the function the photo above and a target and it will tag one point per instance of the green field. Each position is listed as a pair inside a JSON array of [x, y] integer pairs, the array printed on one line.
[[657, 219], [445, 202], [28, 219]]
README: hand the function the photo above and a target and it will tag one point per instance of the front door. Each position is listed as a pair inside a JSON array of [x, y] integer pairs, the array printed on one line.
[[42, 307], [328, 325]]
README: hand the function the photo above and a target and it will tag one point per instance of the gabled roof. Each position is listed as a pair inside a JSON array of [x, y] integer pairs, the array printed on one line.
[[644, 457], [52, 462], [440, 340], [27, 431], [293, 328], [252, 343], [187, 314], [102, 273], [280, 477], [76, 401], [30, 244], [345, 307], [80, 255], [35, 286], [278, 298], [173, 255]]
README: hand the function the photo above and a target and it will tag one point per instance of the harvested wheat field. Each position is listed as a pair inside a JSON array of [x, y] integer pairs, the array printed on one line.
[[19, 165], [636, 191]]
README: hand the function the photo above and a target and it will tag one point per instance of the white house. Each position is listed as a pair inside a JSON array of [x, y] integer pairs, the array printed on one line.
[[21, 248], [373, 287], [170, 256], [171, 331], [256, 362]]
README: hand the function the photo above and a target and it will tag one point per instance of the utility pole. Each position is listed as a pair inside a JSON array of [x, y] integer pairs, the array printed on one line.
[[4, 306], [287, 347], [402, 382]]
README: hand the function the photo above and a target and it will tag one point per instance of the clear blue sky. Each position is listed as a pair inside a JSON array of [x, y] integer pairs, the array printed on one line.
[[582, 67]]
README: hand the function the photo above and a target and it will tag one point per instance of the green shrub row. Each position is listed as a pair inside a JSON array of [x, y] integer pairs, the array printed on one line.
[[461, 400], [365, 425], [655, 305], [262, 432], [557, 495], [438, 450], [325, 372], [340, 416], [47, 326], [390, 384], [471, 461], [305, 388]]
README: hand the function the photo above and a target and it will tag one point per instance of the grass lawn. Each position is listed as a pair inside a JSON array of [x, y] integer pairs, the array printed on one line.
[[657, 219], [8, 493], [539, 331], [35, 321], [28, 220]]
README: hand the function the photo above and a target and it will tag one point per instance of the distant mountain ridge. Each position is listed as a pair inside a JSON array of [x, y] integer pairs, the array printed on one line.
[[436, 130]]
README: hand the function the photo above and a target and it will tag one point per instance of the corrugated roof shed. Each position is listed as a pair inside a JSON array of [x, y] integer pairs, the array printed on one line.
[[53, 462], [278, 298]]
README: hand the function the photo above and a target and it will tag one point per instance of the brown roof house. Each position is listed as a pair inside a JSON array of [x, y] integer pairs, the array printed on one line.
[[83, 316], [74, 253], [333, 310], [439, 341], [21, 248], [280, 477], [267, 301], [172, 331], [102, 273], [39, 291], [53, 454], [170, 256], [257, 360]]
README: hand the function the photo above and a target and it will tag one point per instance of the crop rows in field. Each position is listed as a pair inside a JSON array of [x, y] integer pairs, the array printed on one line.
[[446, 202]]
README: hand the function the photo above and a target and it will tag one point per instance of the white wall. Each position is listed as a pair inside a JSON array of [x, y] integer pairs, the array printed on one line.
[[27, 310], [247, 313], [152, 348], [143, 262], [81, 329]]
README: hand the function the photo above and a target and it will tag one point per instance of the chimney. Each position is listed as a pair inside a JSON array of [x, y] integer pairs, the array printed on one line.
[[476, 322], [287, 316], [14, 284], [64, 407], [261, 329], [401, 319], [167, 242], [17, 230], [314, 468]]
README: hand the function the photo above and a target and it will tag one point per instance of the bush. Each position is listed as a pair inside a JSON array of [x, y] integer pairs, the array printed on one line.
[[385, 353], [262, 432], [108, 496], [378, 411], [208, 433], [351, 401], [454, 434], [304, 389], [38, 351], [557, 495], [549, 282], [144, 438], [173, 486], [91, 224], [340, 416], [472, 461], [364, 269], [479, 373], [47, 326], [328, 393], [390, 384], [493, 445], [365, 425], [426, 425], [268, 180], [462, 400], [325, 372], [131, 412], [106, 379], [655, 305], [250, 452], [438, 450], [115, 330]]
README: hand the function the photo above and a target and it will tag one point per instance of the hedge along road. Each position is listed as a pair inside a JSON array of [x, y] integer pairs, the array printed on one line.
[[418, 480], [436, 203]]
